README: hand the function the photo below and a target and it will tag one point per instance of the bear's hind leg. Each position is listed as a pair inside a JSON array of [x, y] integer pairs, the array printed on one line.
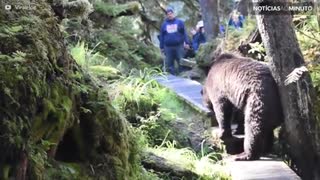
[[223, 112], [254, 134], [252, 146]]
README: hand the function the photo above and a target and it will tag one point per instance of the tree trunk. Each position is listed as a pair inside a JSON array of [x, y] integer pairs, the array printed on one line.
[[209, 10], [300, 126], [242, 7], [22, 167]]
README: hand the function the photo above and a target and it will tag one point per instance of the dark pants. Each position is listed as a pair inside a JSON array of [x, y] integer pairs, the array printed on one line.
[[173, 53]]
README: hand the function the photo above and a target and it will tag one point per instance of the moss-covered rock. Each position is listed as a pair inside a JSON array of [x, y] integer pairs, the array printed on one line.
[[206, 53]]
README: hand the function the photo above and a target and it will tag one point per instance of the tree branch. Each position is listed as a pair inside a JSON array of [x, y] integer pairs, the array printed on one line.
[[314, 38]]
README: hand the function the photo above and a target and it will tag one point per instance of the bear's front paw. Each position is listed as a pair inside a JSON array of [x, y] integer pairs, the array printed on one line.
[[245, 157]]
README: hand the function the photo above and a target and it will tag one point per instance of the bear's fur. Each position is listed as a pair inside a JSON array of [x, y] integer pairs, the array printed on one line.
[[248, 86]]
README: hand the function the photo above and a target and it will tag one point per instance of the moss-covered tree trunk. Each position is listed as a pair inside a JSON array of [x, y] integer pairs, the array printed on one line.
[[301, 130], [51, 110]]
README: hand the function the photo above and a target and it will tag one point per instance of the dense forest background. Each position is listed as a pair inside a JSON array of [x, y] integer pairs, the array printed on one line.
[[78, 99]]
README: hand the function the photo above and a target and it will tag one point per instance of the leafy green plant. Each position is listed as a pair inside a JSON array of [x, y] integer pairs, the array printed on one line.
[[258, 49], [133, 94], [307, 30], [86, 57]]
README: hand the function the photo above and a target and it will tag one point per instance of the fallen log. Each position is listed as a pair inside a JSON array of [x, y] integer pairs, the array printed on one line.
[[160, 164]]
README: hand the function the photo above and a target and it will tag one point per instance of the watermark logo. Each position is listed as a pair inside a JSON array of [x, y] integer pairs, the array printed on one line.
[[279, 7], [8, 7], [11, 5]]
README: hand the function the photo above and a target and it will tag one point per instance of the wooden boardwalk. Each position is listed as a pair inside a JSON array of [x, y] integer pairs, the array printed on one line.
[[263, 169], [188, 90]]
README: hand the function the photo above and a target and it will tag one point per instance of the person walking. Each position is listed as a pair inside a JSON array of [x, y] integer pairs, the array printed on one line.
[[173, 39]]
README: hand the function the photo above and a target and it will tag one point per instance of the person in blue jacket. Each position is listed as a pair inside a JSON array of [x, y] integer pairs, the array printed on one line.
[[236, 20], [173, 38], [198, 36]]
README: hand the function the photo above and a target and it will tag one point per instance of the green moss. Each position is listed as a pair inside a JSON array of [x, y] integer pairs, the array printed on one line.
[[67, 171], [54, 116], [114, 10], [38, 102], [46, 100], [115, 144], [204, 55], [78, 8]]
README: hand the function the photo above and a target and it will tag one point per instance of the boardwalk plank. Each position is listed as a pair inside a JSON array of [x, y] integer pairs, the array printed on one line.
[[186, 89], [263, 169]]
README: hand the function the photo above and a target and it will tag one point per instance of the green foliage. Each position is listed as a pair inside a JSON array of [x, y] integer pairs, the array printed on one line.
[[170, 106], [78, 8], [125, 51], [105, 72], [114, 10], [79, 54], [307, 30], [151, 109], [204, 55], [145, 104], [257, 48], [209, 166], [44, 95], [133, 96], [93, 62], [86, 57], [121, 41], [64, 172], [12, 30], [315, 76]]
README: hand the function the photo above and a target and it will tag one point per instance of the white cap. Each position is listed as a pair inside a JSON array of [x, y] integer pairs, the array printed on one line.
[[199, 24]]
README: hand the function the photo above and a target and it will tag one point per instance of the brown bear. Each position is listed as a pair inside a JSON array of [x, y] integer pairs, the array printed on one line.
[[248, 86]]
